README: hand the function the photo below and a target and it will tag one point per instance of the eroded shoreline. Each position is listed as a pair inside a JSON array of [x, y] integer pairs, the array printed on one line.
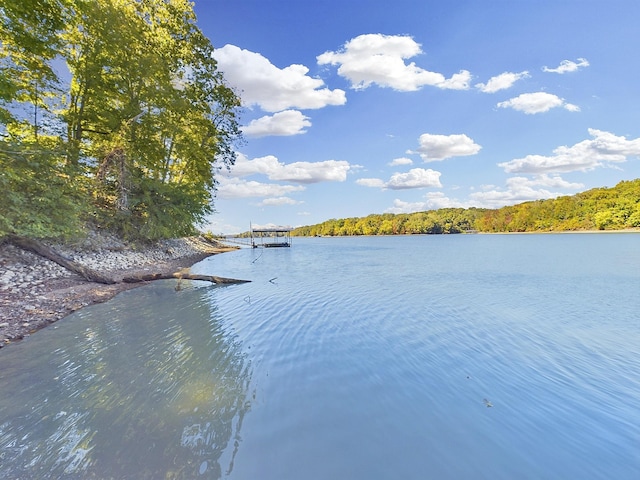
[[36, 292]]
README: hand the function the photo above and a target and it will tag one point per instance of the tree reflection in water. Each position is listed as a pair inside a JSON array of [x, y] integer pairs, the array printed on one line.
[[150, 385]]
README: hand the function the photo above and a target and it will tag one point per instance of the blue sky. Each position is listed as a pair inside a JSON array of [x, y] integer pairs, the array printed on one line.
[[355, 107]]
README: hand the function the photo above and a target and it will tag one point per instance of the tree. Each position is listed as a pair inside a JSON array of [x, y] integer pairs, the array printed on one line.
[[38, 194], [149, 113], [143, 127], [29, 34]]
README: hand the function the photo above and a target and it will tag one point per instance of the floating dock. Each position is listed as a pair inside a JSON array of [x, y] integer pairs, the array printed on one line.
[[271, 237]]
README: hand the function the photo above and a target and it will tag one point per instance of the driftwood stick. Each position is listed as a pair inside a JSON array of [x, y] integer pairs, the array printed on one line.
[[182, 276], [41, 249]]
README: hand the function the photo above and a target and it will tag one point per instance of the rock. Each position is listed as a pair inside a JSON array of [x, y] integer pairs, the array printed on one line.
[[7, 276], [4, 324]]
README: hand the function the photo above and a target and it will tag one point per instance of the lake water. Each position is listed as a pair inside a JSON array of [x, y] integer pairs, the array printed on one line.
[[423, 357]]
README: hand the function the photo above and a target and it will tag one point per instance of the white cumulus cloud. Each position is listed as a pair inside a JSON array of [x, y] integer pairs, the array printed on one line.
[[433, 201], [285, 123], [567, 66], [279, 201], [240, 188], [380, 59], [604, 149], [522, 189], [544, 180], [414, 178], [437, 200], [439, 147], [371, 182], [313, 172], [401, 161], [538, 102], [400, 206], [502, 82], [297, 172], [500, 198], [259, 82]]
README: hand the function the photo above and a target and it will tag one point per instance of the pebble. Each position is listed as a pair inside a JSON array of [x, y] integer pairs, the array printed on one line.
[[8, 275]]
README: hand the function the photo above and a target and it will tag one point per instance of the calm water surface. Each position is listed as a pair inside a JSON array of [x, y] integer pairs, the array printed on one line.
[[423, 357]]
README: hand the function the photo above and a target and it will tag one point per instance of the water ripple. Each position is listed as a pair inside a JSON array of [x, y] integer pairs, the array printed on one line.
[[447, 357]]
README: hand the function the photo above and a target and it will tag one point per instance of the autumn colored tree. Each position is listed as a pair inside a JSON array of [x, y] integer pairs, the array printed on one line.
[[600, 208]]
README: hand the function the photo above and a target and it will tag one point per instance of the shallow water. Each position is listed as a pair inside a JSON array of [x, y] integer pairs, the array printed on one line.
[[449, 357]]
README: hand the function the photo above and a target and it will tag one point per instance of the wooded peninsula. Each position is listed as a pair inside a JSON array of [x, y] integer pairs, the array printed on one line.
[[616, 208]]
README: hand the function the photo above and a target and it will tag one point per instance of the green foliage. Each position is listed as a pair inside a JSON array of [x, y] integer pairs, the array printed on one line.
[[144, 124], [38, 194], [211, 237], [157, 210], [615, 208], [446, 220]]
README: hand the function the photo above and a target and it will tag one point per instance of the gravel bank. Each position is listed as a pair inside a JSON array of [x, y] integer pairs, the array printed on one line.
[[35, 292]]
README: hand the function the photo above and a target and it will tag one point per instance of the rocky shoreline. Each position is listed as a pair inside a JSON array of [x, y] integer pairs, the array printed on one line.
[[35, 292]]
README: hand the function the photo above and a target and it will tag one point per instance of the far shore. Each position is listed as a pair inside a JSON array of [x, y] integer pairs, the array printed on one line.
[[556, 232], [552, 232]]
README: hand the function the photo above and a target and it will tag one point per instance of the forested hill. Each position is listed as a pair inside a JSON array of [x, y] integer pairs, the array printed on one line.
[[614, 208]]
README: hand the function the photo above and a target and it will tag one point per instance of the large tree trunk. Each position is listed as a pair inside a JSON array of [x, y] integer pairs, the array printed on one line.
[[41, 249], [182, 276]]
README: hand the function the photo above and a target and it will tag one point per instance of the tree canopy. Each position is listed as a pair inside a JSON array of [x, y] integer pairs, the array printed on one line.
[[111, 111], [615, 208]]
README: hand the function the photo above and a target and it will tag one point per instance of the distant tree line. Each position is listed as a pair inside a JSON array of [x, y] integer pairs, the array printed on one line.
[[615, 208], [111, 112], [445, 220]]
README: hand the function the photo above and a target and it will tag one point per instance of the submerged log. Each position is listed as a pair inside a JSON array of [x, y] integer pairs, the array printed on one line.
[[182, 276], [41, 249]]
